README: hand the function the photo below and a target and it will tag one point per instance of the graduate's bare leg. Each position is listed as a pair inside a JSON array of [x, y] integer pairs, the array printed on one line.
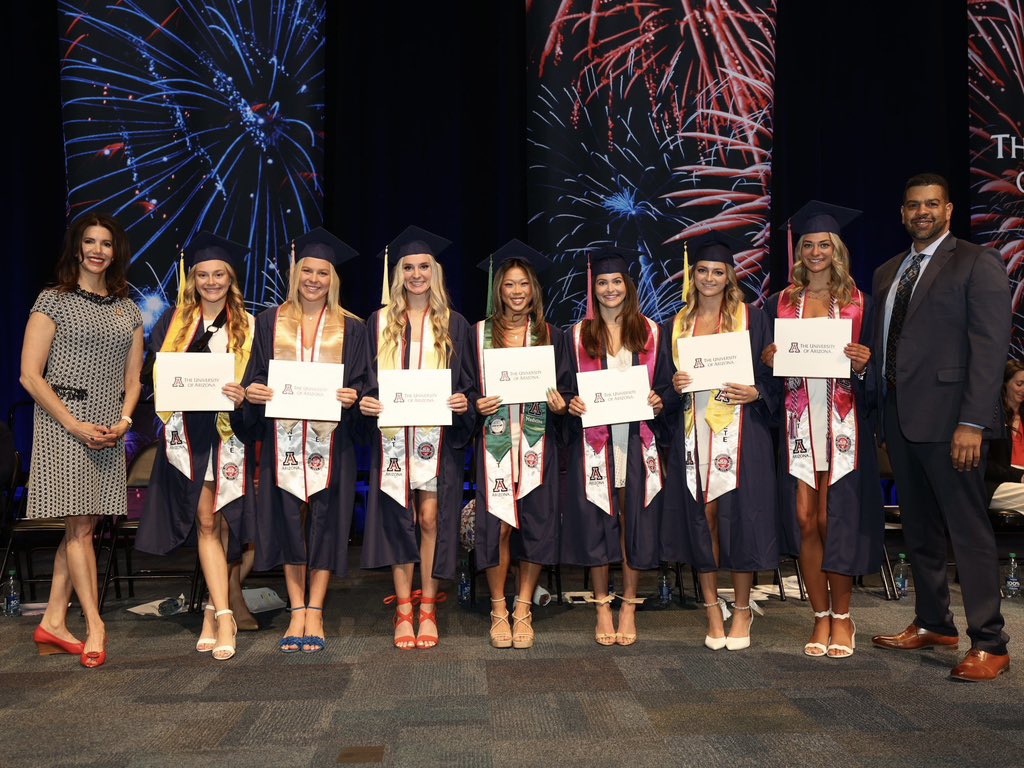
[[604, 631], [402, 575], [742, 581], [709, 580], [319, 580], [295, 582], [811, 515], [237, 572], [840, 588], [215, 567], [630, 581], [426, 514], [501, 627], [522, 613]]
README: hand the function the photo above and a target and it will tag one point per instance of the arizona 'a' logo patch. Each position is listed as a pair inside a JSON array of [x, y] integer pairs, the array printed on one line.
[[504, 376], [698, 362], [798, 446], [399, 398], [393, 466], [533, 409], [598, 397], [499, 486], [178, 382], [287, 390], [794, 348], [595, 474], [289, 460], [176, 438]]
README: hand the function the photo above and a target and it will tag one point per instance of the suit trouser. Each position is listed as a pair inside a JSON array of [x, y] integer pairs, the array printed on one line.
[[934, 497]]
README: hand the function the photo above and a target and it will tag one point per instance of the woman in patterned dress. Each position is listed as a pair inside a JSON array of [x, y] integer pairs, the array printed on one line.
[[80, 362]]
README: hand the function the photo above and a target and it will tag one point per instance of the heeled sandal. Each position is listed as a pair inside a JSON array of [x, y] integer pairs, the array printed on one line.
[[225, 652], [500, 639], [289, 640], [621, 638], [811, 648], [717, 643], [316, 643], [522, 638], [404, 642], [845, 650], [205, 644], [602, 638], [739, 643], [423, 642]]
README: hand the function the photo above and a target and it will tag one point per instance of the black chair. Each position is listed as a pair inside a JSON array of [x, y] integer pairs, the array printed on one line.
[[123, 541], [893, 525]]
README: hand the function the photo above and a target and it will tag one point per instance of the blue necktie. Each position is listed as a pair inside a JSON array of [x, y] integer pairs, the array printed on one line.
[[904, 290]]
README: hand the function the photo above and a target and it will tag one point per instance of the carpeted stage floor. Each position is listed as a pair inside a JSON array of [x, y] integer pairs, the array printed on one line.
[[666, 701]]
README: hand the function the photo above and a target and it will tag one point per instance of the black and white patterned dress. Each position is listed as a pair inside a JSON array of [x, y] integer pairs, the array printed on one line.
[[85, 368]]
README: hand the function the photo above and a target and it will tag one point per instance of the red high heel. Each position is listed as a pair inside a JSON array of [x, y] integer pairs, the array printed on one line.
[[50, 644], [403, 618], [428, 641], [94, 659]]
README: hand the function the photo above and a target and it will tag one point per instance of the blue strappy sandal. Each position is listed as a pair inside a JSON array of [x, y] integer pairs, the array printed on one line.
[[292, 639], [317, 643]]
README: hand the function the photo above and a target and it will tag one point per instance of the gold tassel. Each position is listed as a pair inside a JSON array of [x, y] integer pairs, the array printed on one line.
[[686, 272], [181, 278], [385, 287]]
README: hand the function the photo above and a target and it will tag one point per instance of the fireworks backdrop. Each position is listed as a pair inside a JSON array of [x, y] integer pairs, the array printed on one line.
[[996, 83], [182, 116], [649, 123]]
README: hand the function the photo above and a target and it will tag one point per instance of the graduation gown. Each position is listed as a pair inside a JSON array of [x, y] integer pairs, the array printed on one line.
[[280, 535], [536, 539], [748, 520], [390, 537], [589, 535], [856, 520], [169, 515]]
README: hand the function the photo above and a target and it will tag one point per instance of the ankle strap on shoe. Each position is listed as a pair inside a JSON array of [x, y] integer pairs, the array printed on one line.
[[314, 608], [413, 599], [225, 612], [499, 599], [440, 597], [822, 614], [726, 613], [840, 616], [600, 600], [750, 606], [293, 610], [633, 600], [524, 602]]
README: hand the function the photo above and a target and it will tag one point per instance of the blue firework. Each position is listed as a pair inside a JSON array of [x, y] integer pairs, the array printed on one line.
[[181, 116]]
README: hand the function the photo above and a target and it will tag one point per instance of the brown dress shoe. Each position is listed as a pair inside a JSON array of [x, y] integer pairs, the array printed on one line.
[[979, 665], [913, 638]]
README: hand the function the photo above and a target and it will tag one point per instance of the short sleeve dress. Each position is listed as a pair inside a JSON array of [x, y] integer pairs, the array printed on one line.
[[86, 369]]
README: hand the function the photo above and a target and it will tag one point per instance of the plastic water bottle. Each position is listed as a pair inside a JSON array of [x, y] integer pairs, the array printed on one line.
[[464, 585], [1011, 585], [901, 577], [12, 600], [664, 588]]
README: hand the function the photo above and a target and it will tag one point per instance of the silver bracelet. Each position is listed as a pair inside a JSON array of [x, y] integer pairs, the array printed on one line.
[[129, 420]]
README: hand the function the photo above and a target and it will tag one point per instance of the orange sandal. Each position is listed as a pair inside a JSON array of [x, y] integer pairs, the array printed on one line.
[[403, 642], [428, 641]]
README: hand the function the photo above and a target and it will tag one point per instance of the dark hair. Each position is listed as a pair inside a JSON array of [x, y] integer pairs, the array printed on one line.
[[927, 180], [497, 310], [71, 254], [1013, 367], [635, 332]]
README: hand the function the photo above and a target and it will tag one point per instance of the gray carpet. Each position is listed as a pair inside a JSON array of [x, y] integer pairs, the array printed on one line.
[[566, 702]]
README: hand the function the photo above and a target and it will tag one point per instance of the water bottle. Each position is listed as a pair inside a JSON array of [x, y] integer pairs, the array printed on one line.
[[664, 588], [12, 600], [1011, 586], [464, 585], [901, 577]]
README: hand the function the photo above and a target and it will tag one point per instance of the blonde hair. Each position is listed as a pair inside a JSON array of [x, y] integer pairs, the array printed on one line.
[[238, 322], [293, 305], [730, 301], [440, 312], [840, 283]]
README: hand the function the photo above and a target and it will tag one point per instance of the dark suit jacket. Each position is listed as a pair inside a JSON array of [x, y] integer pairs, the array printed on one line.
[[954, 341]]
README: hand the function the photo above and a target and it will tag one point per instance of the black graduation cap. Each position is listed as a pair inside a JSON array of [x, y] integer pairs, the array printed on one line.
[[413, 240], [513, 249], [609, 259], [816, 216], [715, 246], [318, 243], [206, 246]]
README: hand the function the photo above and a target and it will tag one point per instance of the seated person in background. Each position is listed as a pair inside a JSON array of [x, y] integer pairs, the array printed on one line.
[[1004, 474]]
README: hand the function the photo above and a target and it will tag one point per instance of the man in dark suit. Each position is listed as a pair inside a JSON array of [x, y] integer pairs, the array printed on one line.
[[942, 331]]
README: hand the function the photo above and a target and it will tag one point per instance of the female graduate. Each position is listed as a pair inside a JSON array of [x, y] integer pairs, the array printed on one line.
[[720, 507], [829, 467], [614, 481], [202, 479], [413, 516], [308, 468], [517, 448]]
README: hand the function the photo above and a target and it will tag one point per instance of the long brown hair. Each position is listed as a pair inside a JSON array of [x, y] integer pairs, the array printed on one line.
[[70, 259], [238, 321], [1013, 367], [499, 321], [635, 332], [840, 283]]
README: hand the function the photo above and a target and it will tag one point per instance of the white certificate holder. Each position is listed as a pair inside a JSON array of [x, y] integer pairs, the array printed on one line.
[[716, 359], [519, 374], [615, 395], [304, 390], [192, 381], [414, 397], [812, 348]]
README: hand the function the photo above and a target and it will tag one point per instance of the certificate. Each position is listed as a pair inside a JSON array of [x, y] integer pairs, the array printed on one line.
[[192, 381], [520, 374], [615, 395], [304, 390], [813, 347], [714, 360], [414, 398]]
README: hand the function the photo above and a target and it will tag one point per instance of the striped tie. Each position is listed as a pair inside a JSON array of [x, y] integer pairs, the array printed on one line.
[[904, 291]]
